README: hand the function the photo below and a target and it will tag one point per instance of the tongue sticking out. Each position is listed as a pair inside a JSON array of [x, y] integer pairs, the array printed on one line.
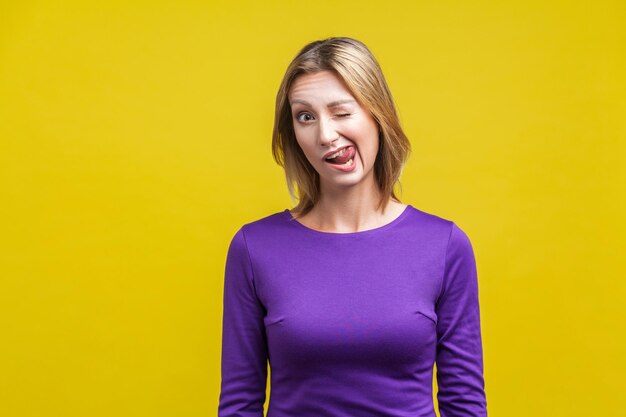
[[347, 155]]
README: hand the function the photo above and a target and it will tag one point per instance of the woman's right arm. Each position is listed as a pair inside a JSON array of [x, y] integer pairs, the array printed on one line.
[[244, 347]]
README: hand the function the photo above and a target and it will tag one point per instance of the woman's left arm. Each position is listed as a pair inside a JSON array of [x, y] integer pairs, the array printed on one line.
[[461, 387]]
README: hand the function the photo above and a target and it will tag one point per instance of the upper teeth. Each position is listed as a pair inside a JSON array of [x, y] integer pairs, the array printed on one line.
[[337, 154]]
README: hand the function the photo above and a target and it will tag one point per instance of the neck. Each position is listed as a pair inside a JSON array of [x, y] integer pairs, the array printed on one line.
[[348, 209]]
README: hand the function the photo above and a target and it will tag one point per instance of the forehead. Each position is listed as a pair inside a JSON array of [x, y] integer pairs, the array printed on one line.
[[319, 86]]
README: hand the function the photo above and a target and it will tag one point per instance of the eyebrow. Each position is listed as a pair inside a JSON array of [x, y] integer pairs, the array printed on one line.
[[329, 105]]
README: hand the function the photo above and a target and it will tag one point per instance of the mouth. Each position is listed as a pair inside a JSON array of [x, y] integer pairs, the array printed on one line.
[[344, 160], [344, 156]]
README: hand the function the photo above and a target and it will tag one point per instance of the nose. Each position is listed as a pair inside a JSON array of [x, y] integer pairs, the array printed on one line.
[[327, 132]]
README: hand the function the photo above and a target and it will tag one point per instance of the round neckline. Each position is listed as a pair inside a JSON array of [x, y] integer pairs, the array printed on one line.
[[375, 230]]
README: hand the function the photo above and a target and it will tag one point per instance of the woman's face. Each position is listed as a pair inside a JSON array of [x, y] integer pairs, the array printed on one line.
[[326, 119]]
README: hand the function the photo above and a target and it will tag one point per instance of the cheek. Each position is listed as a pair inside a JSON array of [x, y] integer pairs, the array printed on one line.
[[306, 147], [370, 140], [303, 139]]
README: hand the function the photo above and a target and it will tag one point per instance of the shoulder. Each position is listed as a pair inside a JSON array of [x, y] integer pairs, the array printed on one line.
[[431, 223], [440, 231], [263, 228], [267, 224]]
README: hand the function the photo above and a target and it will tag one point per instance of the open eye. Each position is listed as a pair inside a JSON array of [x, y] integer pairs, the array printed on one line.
[[304, 117]]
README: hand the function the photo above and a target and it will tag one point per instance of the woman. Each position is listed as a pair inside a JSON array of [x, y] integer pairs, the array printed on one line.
[[351, 296]]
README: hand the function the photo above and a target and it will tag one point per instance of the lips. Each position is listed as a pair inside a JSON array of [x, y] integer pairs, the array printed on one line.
[[344, 163], [348, 153], [335, 151]]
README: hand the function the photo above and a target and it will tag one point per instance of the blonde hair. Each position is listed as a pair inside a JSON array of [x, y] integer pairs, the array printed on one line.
[[353, 62]]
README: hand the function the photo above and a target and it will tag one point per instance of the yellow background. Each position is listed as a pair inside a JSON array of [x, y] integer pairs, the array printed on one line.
[[135, 141]]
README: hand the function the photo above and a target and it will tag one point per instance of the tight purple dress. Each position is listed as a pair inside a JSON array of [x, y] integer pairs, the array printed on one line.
[[351, 324]]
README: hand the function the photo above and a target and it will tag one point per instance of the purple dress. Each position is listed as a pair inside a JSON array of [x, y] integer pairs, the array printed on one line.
[[351, 323]]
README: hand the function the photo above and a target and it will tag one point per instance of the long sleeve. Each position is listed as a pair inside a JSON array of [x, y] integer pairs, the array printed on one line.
[[244, 345], [459, 346]]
